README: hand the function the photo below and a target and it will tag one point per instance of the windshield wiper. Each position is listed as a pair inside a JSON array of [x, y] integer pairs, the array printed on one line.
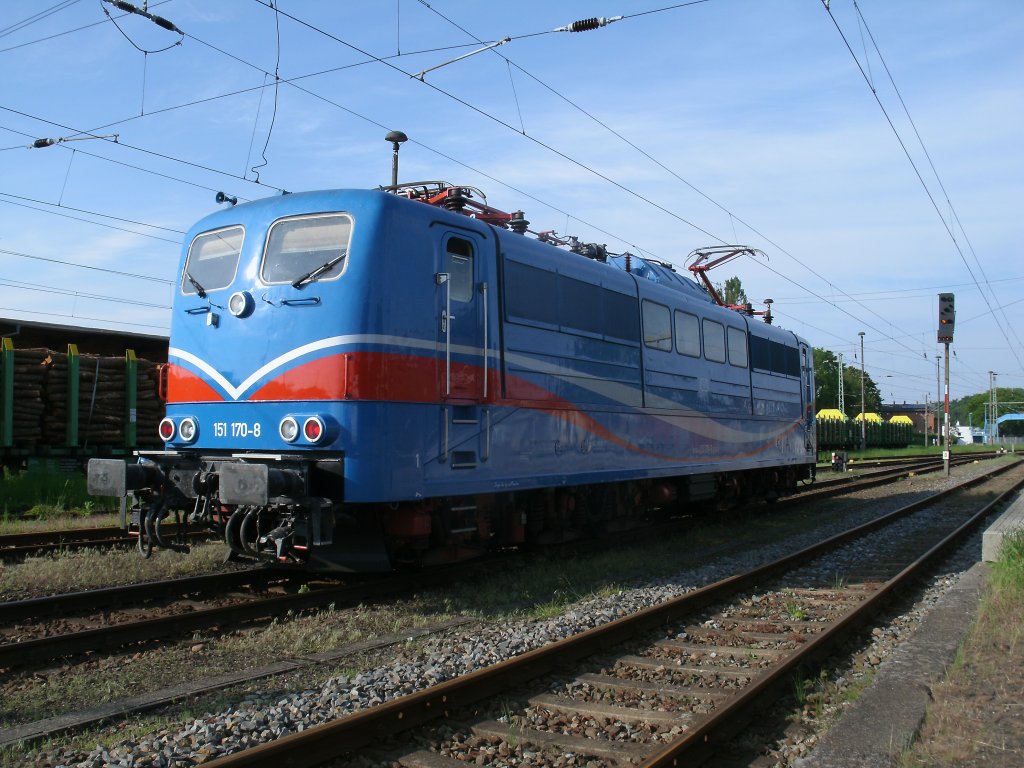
[[195, 284], [325, 267]]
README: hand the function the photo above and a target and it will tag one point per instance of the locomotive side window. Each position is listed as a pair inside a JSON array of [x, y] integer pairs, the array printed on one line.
[[535, 295], [807, 376], [581, 305], [212, 260], [785, 360], [531, 293], [687, 334], [657, 326], [792, 362], [714, 341], [760, 353], [459, 264], [307, 248], [620, 316], [737, 347]]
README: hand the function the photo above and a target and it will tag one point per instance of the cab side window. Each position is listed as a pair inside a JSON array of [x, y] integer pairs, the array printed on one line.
[[657, 326], [459, 264]]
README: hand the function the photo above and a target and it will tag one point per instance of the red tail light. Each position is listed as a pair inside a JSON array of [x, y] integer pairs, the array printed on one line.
[[166, 430], [313, 429]]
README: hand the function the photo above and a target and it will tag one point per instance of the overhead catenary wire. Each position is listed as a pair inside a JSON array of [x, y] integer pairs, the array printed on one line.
[[921, 180], [429, 148], [292, 81], [277, 86], [94, 213], [896, 294], [374, 58], [36, 17], [327, 101], [43, 288], [498, 120], [106, 320], [638, 14], [142, 150], [931, 163], [89, 221], [92, 267], [664, 167], [123, 164]]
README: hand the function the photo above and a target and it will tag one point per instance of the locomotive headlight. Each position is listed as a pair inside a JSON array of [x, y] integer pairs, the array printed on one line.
[[188, 429], [288, 429], [166, 430], [313, 429], [241, 304]]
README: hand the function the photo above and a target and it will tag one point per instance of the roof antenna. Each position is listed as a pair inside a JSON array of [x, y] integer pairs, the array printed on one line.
[[397, 138]]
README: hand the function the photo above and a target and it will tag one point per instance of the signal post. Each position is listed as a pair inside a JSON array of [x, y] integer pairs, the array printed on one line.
[[947, 317]]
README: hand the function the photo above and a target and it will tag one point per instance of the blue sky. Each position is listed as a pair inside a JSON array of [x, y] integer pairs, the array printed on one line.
[[761, 128]]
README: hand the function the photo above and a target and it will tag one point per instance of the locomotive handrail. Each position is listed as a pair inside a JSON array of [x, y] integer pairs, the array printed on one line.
[[487, 351], [444, 278]]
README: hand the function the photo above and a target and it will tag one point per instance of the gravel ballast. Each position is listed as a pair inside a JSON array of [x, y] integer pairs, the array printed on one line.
[[259, 718]]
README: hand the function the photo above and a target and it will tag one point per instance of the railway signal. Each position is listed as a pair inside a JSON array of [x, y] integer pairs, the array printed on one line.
[[947, 317]]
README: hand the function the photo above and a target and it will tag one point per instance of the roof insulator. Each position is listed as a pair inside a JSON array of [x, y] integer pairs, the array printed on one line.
[[518, 223]]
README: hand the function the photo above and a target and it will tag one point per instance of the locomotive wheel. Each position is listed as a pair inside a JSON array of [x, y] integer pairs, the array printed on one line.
[[232, 534]]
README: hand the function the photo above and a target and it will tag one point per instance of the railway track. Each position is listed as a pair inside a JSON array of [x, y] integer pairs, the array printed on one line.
[[668, 685], [18, 546], [27, 640], [135, 595], [32, 643], [870, 479]]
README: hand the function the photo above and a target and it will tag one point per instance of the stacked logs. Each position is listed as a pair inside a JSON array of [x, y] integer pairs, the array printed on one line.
[[41, 399], [30, 370], [150, 406]]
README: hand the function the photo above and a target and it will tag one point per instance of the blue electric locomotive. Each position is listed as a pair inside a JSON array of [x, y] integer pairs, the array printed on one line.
[[359, 379]]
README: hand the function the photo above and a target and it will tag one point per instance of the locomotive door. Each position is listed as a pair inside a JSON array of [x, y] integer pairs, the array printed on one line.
[[807, 381], [462, 319]]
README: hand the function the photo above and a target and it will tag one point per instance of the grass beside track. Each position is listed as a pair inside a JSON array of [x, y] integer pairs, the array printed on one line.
[[45, 496], [82, 569], [977, 718]]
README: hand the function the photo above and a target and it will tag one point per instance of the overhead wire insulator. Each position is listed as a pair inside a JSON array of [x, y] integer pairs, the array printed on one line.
[[585, 25], [41, 143], [160, 21]]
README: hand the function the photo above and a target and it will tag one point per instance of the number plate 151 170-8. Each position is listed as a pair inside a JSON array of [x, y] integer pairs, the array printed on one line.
[[236, 429]]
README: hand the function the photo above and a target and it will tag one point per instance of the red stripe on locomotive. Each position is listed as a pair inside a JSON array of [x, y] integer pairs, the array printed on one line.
[[183, 386]]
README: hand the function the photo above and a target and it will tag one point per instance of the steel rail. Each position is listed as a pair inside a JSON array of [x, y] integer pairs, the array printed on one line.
[[712, 733], [107, 597], [56, 536], [366, 727], [863, 482], [18, 553], [119, 635], [16, 546]]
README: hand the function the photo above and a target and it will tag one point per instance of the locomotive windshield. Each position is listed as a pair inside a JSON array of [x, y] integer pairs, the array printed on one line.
[[307, 248], [212, 259]]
